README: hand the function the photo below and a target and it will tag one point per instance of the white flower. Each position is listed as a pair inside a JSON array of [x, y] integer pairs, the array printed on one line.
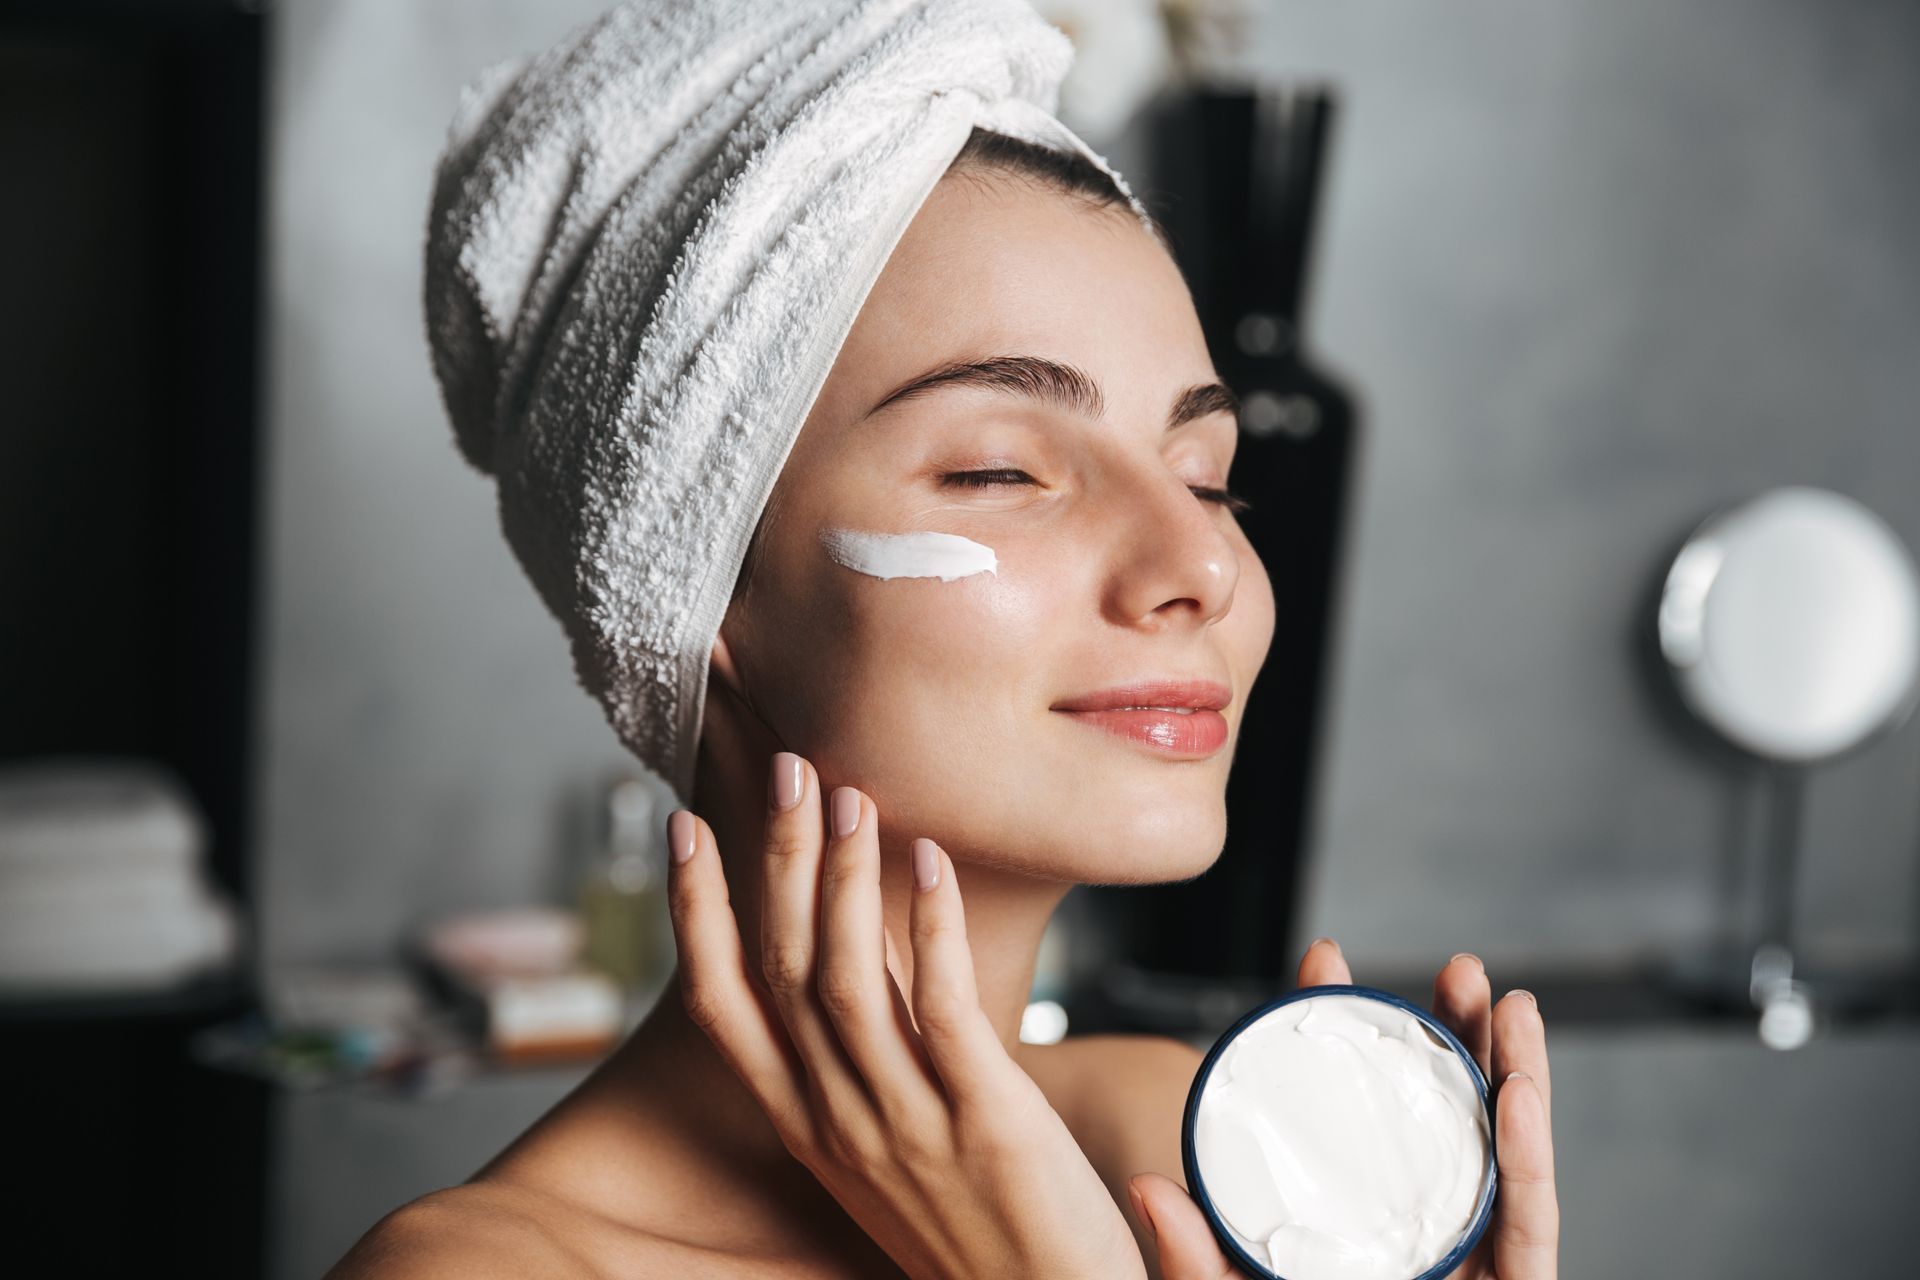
[[1125, 51], [1120, 59], [1208, 37]]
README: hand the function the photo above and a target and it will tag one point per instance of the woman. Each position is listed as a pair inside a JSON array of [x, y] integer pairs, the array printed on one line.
[[892, 794]]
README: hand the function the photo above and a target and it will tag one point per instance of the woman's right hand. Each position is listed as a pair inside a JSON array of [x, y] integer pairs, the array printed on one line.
[[914, 1117]]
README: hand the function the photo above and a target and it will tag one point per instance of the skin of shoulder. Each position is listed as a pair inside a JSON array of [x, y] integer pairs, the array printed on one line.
[[470, 1231], [494, 1230], [1123, 1097]]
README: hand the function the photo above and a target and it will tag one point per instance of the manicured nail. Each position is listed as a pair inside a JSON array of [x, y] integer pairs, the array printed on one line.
[[783, 784], [926, 864], [1468, 955], [846, 812], [1518, 1075], [1140, 1212], [680, 834], [1521, 991]]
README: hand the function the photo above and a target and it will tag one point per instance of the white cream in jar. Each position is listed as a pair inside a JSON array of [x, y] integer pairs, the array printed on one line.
[[1339, 1138]]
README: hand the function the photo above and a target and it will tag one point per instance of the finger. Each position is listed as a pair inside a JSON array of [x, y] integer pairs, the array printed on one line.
[[1463, 1000], [1526, 1223], [852, 980], [1323, 965], [1186, 1245], [789, 924], [1520, 1044], [715, 988], [959, 1037]]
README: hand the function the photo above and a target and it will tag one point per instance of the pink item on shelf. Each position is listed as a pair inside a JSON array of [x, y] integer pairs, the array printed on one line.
[[515, 942]]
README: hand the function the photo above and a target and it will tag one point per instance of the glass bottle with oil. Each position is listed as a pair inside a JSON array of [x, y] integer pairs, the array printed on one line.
[[623, 901]]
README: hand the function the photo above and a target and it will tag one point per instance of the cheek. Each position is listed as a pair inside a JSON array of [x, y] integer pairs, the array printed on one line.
[[934, 696], [873, 669], [950, 659]]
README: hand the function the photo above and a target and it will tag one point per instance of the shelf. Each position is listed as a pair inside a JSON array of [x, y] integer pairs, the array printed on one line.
[[208, 995]]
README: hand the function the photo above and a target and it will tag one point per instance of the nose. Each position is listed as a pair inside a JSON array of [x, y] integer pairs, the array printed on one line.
[[1176, 566]]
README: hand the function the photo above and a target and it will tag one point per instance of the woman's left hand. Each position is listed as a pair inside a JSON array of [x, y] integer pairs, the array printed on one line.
[[1523, 1240]]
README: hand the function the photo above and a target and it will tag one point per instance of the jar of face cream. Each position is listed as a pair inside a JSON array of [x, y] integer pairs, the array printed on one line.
[[1341, 1133]]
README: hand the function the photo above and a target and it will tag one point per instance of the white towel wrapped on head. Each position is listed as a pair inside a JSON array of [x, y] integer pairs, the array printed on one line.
[[645, 248]]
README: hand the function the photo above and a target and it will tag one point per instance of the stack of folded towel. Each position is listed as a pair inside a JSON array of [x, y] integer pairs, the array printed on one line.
[[102, 880]]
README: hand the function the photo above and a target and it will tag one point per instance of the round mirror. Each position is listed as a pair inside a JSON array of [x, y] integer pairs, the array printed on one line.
[[1792, 624]]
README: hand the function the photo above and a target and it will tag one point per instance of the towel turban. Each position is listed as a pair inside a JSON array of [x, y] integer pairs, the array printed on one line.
[[645, 248]]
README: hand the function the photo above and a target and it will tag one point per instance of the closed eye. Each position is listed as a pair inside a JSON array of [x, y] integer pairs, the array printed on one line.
[[1012, 475], [984, 479]]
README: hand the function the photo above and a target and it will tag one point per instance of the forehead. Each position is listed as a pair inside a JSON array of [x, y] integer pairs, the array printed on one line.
[[999, 265]]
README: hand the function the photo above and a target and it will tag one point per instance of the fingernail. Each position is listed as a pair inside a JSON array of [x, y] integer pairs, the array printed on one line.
[[846, 811], [783, 784], [680, 835], [926, 864], [1468, 955], [1518, 1075], [1140, 1211], [1521, 991], [1329, 941]]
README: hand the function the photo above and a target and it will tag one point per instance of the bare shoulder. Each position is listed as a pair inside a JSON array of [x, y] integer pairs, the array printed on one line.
[[1108, 1068], [497, 1230], [1123, 1097], [474, 1231]]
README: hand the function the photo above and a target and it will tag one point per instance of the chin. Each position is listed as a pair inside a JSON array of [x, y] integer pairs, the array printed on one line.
[[1061, 806], [1177, 839], [1116, 813], [1132, 831]]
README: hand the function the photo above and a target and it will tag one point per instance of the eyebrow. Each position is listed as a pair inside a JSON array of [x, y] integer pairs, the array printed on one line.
[[1061, 386]]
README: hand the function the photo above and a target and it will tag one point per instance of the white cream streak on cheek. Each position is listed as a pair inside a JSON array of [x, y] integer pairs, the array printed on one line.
[[945, 556]]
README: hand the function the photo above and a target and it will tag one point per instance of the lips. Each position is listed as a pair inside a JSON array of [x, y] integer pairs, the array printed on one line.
[[1174, 718]]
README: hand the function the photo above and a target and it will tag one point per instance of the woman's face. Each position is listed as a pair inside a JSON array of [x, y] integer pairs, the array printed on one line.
[[938, 698]]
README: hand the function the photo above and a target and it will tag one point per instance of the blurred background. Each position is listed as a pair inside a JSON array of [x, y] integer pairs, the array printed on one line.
[[1579, 346]]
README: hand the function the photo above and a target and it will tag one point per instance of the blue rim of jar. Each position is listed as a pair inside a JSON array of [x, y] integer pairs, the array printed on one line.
[[1483, 1208]]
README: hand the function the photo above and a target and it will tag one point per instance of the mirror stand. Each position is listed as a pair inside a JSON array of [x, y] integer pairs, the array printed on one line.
[[1791, 625]]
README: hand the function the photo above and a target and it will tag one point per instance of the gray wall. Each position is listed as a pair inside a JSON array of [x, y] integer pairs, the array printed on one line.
[[1597, 268], [425, 747]]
